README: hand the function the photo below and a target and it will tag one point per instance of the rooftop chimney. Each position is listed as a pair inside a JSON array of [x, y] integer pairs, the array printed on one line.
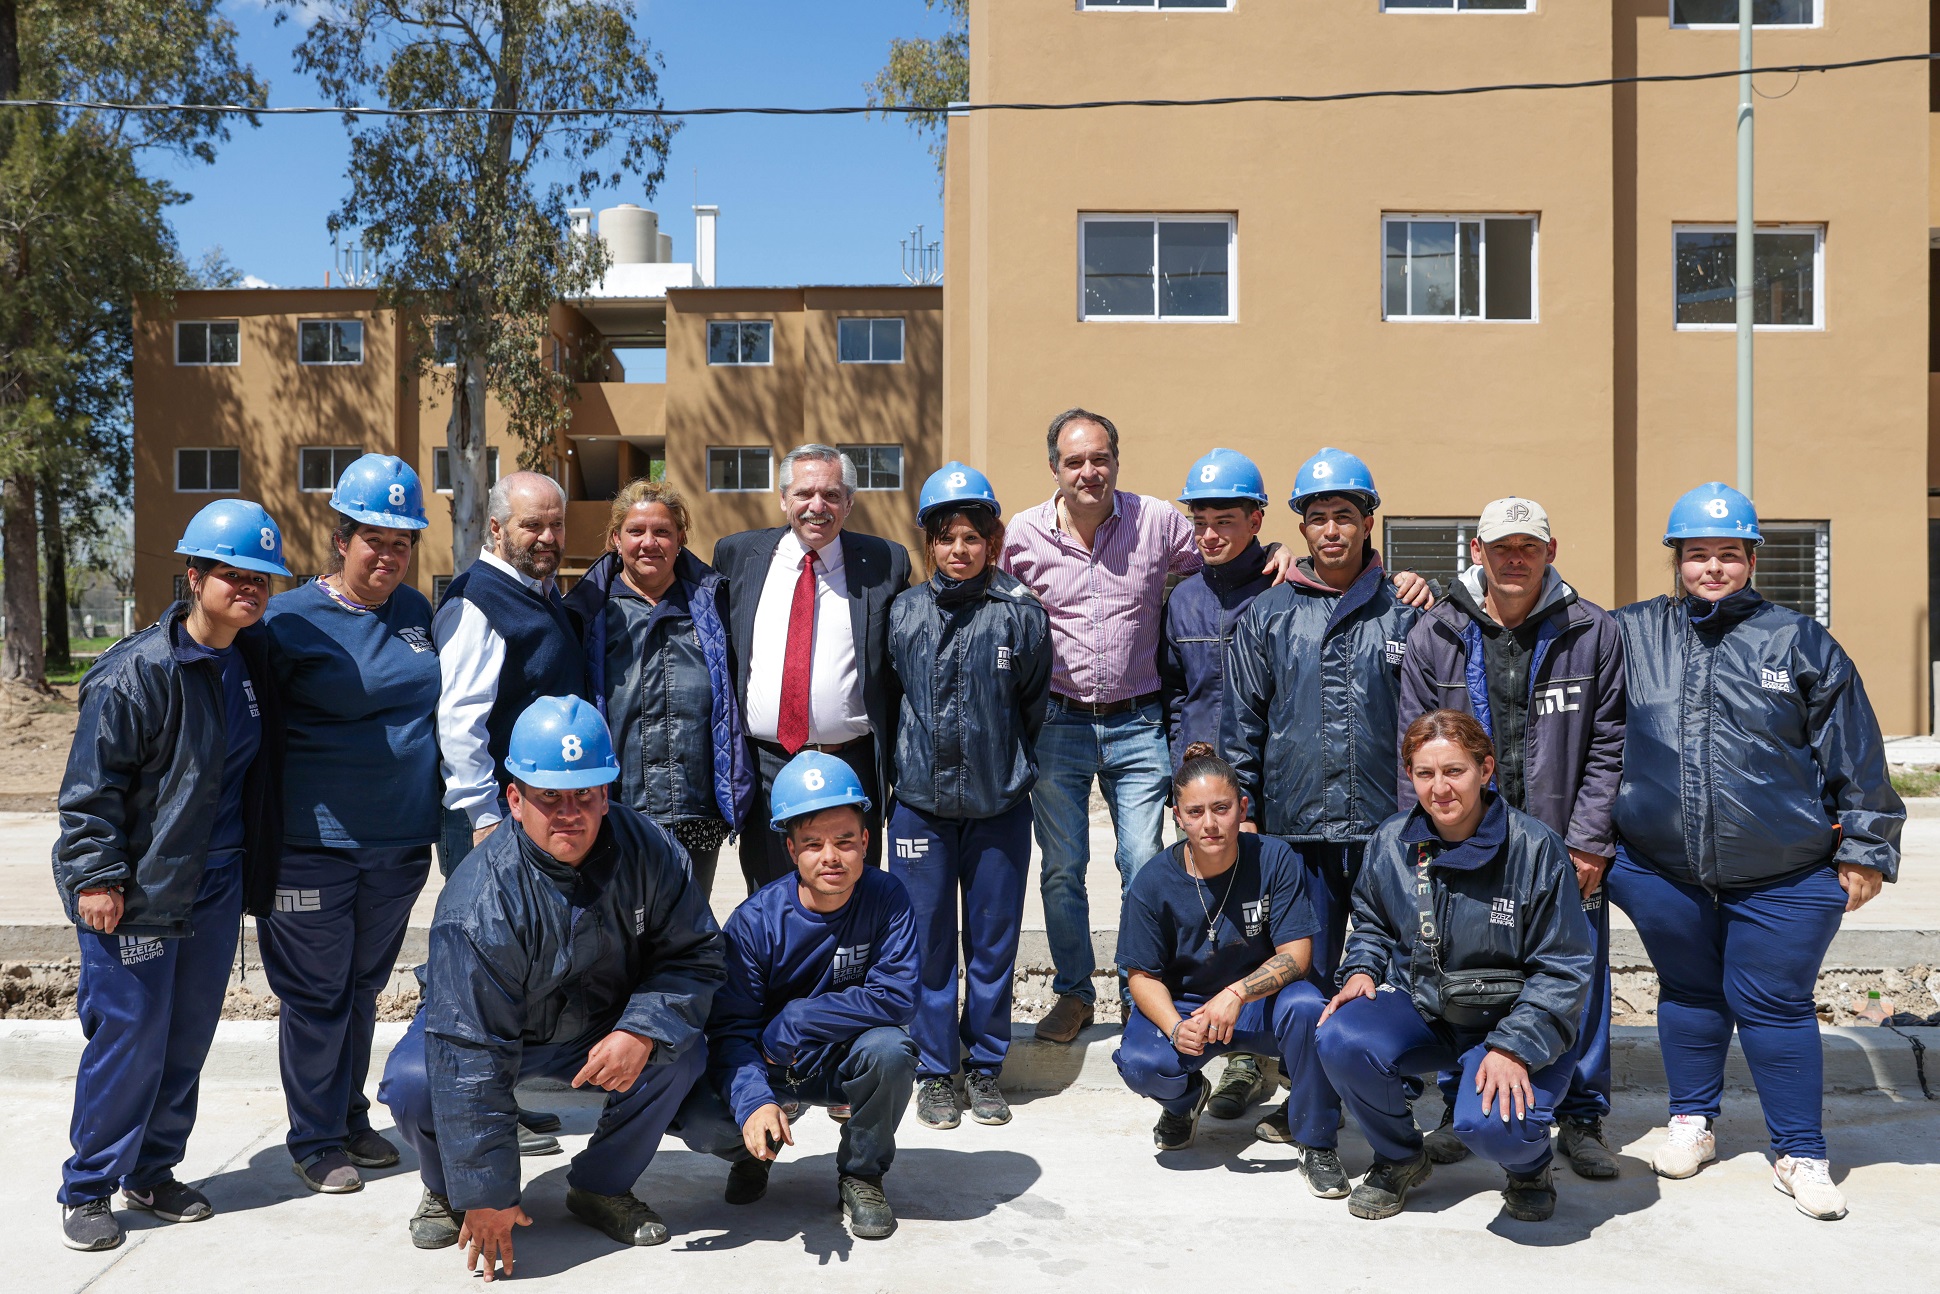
[[705, 219]]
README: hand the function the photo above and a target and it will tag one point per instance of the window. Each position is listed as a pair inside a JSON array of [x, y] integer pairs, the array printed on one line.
[[208, 343], [733, 341], [1764, 13], [738, 468], [444, 345], [441, 470], [1435, 548], [208, 471], [1795, 567], [439, 583], [330, 341], [1155, 4], [1478, 268], [1459, 6], [317, 468], [877, 467], [1157, 267], [1787, 283], [870, 341]]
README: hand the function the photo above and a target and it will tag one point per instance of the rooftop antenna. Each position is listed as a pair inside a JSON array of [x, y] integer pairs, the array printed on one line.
[[922, 262], [356, 264]]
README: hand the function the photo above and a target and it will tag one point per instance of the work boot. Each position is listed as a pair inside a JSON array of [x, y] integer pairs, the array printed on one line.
[[1442, 1145], [1809, 1183], [624, 1217], [539, 1120], [367, 1149], [1273, 1127], [1688, 1147], [841, 1113], [329, 1172], [865, 1208], [748, 1180], [1067, 1019], [1580, 1142], [1177, 1131], [170, 1201], [90, 1225], [1531, 1198], [1325, 1177], [1241, 1083], [987, 1103], [936, 1103], [1385, 1188], [436, 1224], [537, 1143]]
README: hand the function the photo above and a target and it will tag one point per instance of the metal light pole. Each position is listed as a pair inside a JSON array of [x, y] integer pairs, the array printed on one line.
[[1747, 236]]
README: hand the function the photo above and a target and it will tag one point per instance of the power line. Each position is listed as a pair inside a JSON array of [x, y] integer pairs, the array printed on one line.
[[1345, 96]]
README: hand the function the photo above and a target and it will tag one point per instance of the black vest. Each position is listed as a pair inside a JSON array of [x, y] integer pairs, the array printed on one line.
[[542, 651]]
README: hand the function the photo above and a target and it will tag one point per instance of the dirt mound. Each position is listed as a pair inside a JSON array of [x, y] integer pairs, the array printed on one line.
[[36, 729], [46, 992]]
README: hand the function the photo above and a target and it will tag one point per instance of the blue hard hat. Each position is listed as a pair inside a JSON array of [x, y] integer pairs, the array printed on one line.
[[1713, 511], [1334, 471], [379, 490], [955, 484], [561, 743], [1224, 474], [811, 782], [236, 533]]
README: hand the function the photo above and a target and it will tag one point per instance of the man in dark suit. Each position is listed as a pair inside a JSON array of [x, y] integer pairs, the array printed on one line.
[[808, 608]]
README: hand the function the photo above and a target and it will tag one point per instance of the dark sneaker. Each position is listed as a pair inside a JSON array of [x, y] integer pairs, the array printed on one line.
[[1241, 1083], [840, 1113], [987, 1104], [1531, 1198], [1325, 1177], [1581, 1144], [170, 1201], [368, 1150], [748, 1180], [1273, 1127], [436, 1224], [539, 1120], [1067, 1019], [936, 1103], [1177, 1131], [537, 1143], [329, 1172], [90, 1226], [1385, 1188], [1442, 1145], [865, 1208], [624, 1217]]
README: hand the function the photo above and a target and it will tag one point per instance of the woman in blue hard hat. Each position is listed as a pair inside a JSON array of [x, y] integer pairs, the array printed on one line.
[[169, 830], [352, 653], [658, 668], [1755, 811], [972, 648]]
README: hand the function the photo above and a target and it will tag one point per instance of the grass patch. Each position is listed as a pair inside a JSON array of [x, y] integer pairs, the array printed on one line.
[[1916, 783]]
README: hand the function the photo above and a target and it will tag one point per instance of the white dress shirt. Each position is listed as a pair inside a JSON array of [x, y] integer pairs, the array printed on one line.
[[471, 654], [835, 711]]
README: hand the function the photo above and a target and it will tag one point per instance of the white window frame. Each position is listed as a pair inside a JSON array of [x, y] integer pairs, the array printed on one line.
[[1818, 276], [207, 449], [1818, 21], [180, 324], [1153, 6], [491, 466], [769, 488], [1822, 534], [902, 467], [363, 344], [738, 363], [902, 326], [1464, 528], [333, 451], [1535, 265], [1158, 218], [1387, 6]]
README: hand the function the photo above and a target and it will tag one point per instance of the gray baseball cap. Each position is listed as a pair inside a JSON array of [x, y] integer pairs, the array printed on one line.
[[1513, 516]]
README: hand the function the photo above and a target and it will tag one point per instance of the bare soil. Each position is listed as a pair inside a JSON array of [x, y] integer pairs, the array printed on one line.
[[46, 992], [36, 730]]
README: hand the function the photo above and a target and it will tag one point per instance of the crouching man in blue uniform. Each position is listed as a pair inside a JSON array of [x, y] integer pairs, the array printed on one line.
[[821, 989], [574, 946]]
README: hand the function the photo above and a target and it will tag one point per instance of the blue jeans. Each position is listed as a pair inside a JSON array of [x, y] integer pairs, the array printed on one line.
[[1127, 755], [1749, 958]]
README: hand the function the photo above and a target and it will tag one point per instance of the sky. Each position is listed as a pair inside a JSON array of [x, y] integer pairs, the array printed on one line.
[[809, 200]]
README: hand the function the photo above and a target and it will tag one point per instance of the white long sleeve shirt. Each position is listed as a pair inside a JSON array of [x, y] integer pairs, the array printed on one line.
[[471, 655]]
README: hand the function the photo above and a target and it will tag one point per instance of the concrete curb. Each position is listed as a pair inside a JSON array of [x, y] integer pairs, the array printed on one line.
[[1857, 1060]]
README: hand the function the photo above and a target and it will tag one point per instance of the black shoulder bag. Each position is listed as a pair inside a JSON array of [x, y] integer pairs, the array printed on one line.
[[1470, 999]]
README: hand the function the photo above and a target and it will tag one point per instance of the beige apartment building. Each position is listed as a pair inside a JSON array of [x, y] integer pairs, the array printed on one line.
[[268, 394], [1520, 292]]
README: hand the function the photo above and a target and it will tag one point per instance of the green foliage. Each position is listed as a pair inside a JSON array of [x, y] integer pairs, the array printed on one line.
[[928, 74]]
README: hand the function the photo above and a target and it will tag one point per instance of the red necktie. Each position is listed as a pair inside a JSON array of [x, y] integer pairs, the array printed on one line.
[[792, 729]]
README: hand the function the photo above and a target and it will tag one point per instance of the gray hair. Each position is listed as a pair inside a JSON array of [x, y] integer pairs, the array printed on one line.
[[1069, 416], [498, 504], [817, 454]]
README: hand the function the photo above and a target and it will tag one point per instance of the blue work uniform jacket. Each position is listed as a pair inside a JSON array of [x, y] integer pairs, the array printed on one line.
[[1751, 753], [1200, 616], [144, 779]]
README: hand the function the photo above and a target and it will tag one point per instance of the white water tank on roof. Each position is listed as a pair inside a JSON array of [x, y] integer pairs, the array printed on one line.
[[631, 234], [666, 248]]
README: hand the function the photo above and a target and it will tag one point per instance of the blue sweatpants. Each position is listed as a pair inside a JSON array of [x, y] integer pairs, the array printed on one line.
[[328, 949], [1280, 1026], [1370, 1044], [623, 1143], [1749, 958], [149, 1009], [986, 862]]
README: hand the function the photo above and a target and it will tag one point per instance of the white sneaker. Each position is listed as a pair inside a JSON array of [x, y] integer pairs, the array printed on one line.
[[1688, 1148], [1809, 1183]]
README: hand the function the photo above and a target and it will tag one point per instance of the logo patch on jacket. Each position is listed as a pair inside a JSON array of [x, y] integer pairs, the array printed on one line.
[[249, 695], [1559, 700], [639, 921], [136, 949], [418, 639], [911, 847], [1395, 651], [1502, 912], [1776, 680], [1253, 915], [850, 963], [299, 900], [1003, 658]]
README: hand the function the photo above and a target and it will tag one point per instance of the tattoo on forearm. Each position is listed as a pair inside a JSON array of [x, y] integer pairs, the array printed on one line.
[[1274, 974]]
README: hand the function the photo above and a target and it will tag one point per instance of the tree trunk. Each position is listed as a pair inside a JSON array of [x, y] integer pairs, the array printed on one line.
[[465, 441], [9, 50], [21, 661], [59, 649]]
